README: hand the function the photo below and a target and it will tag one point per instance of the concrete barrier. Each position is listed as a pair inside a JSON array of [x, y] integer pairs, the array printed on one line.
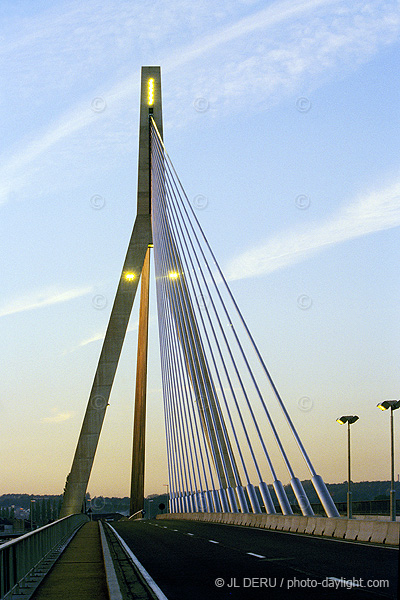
[[320, 524], [365, 532], [259, 520], [266, 521], [249, 520], [341, 528], [311, 524], [330, 527], [379, 532], [352, 530], [299, 524], [273, 521], [393, 531], [287, 523]]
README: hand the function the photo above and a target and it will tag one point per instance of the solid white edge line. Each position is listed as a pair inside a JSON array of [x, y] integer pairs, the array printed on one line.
[[149, 580], [114, 591]]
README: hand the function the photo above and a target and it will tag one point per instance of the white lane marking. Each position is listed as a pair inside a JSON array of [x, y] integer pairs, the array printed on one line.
[[256, 555], [213, 542], [279, 558], [190, 534], [149, 580]]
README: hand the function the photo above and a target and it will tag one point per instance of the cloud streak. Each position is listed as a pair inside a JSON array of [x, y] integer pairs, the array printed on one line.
[[370, 213], [42, 299], [59, 418], [279, 63]]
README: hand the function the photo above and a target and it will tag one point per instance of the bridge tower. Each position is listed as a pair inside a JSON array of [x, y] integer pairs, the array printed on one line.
[[137, 267]]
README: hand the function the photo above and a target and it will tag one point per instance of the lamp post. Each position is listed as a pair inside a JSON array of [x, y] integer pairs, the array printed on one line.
[[31, 512], [392, 404], [349, 419]]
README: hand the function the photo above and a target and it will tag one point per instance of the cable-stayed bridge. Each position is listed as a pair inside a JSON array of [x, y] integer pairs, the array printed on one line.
[[218, 424], [225, 443]]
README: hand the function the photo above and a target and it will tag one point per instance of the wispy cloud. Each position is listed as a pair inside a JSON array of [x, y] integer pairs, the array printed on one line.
[[99, 337], [58, 418], [288, 44], [41, 299], [372, 212]]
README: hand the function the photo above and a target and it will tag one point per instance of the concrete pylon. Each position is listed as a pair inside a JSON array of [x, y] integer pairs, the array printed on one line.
[[141, 239], [139, 425]]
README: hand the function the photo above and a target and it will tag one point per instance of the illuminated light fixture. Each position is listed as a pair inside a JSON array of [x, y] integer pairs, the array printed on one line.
[[173, 275], [347, 419], [150, 246], [130, 276], [150, 92], [393, 404]]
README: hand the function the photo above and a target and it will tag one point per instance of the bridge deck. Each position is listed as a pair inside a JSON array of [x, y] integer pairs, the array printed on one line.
[[79, 573]]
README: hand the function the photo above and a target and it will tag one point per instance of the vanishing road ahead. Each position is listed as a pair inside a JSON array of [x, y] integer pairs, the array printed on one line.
[[204, 561]]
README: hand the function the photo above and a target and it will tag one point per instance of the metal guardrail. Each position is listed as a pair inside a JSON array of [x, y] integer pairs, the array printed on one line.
[[19, 558]]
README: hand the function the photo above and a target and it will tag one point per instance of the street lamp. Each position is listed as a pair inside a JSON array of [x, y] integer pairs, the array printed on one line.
[[392, 404], [349, 419]]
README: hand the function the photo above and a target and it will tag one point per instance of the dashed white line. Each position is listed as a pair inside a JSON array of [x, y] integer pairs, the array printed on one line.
[[256, 555], [213, 542], [190, 534]]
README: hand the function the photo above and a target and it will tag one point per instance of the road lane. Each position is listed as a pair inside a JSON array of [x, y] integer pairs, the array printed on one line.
[[213, 561]]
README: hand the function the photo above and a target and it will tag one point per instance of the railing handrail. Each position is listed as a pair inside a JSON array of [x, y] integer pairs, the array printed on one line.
[[136, 513], [33, 532], [21, 556]]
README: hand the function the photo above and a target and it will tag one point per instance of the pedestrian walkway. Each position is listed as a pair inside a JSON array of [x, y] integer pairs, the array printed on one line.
[[79, 574]]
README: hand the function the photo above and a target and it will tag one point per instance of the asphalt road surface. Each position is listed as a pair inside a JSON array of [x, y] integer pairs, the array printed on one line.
[[205, 561]]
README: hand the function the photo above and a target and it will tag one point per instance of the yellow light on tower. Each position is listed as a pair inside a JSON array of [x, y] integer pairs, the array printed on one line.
[[129, 276], [150, 91], [173, 275]]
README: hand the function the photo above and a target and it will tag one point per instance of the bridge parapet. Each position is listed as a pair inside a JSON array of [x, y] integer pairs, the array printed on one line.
[[373, 531], [21, 558]]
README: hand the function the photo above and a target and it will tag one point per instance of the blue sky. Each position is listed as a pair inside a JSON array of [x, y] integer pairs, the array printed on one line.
[[283, 117]]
